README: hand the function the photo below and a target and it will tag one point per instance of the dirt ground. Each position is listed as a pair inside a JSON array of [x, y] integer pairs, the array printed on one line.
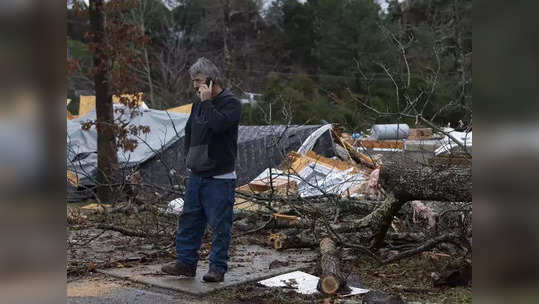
[[90, 248]]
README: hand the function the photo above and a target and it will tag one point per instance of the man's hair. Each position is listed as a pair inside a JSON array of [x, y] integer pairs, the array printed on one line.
[[205, 67]]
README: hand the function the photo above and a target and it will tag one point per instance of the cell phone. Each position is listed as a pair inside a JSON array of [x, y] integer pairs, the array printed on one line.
[[208, 81]]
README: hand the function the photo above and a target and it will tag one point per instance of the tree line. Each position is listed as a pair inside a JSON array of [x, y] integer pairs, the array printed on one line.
[[320, 60]]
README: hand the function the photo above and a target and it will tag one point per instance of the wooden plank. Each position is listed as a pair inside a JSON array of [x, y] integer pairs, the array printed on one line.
[[383, 144], [266, 184]]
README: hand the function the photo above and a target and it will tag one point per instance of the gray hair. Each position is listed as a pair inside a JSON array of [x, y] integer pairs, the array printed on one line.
[[205, 67]]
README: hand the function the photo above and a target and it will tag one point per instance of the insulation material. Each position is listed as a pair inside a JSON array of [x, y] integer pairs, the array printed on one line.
[[422, 211], [302, 282], [369, 189]]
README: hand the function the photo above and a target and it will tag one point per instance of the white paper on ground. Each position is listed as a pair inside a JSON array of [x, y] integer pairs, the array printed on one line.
[[305, 283], [175, 206]]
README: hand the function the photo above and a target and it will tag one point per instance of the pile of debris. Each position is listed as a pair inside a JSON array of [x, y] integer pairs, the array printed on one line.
[[354, 173], [354, 198]]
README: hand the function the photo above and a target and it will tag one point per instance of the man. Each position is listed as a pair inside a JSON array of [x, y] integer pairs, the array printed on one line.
[[211, 137]]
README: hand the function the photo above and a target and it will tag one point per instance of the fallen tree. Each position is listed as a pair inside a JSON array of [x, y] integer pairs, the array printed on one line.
[[408, 183], [404, 183]]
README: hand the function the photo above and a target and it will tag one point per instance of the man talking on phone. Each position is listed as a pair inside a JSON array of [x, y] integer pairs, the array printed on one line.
[[211, 137]]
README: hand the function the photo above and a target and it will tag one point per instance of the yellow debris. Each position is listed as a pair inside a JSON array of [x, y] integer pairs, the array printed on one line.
[[297, 162], [95, 206], [130, 97], [186, 109], [87, 103], [72, 178]]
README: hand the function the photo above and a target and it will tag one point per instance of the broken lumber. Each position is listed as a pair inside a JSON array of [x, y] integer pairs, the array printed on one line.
[[332, 279], [419, 133], [280, 185], [382, 144], [285, 217], [289, 221], [358, 156]]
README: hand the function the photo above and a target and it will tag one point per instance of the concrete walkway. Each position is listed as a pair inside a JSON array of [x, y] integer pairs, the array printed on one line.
[[249, 263]]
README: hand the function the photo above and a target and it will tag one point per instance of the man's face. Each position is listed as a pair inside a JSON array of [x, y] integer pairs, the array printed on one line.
[[198, 80]]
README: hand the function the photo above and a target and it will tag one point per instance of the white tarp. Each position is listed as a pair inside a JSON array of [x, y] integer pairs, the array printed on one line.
[[165, 128], [302, 282], [308, 144], [449, 146]]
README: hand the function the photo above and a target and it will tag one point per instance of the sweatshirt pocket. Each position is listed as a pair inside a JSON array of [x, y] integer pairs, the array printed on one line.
[[198, 159]]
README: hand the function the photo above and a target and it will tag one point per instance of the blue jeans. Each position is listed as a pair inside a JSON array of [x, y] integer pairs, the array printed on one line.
[[207, 201]]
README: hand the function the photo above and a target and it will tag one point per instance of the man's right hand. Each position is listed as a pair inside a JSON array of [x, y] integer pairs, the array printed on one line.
[[205, 92]]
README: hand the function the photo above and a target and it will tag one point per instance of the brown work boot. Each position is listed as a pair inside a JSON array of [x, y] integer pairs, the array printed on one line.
[[179, 269], [214, 275]]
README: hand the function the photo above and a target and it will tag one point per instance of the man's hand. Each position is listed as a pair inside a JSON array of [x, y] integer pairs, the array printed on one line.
[[205, 92]]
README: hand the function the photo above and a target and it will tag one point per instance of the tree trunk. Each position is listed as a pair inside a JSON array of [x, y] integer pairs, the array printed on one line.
[[106, 145], [435, 182], [332, 279]]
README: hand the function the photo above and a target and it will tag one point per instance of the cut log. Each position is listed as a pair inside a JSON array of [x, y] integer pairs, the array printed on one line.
[[332, 280], [281, 241]]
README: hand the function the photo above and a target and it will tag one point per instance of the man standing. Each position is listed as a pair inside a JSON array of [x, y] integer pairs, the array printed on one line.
[[211, 137]]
